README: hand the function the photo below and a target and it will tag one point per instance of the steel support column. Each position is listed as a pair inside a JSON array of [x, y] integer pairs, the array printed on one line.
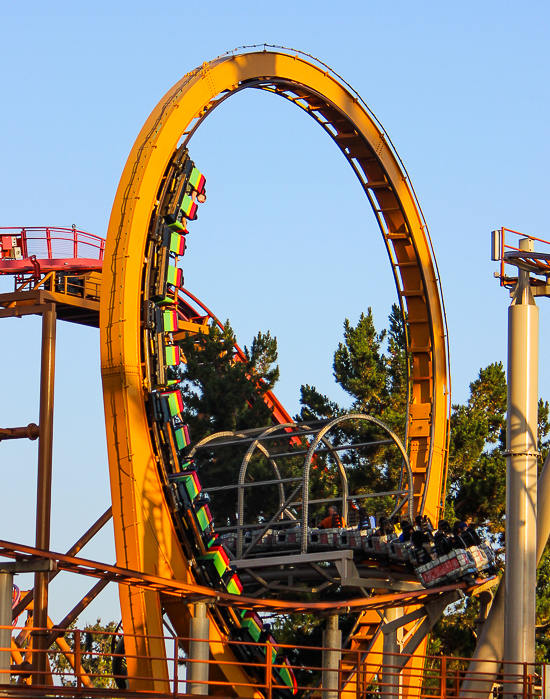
[[521, 474], [332, 642], [391, 650], [44, 487], [483, 670], [199, 652], [6, 597]]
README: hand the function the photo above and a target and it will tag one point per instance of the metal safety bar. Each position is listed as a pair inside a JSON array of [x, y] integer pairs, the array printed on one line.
[[73, 284], [81, 664]]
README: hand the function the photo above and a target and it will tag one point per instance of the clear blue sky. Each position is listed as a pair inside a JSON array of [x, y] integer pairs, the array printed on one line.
[[291, 244]]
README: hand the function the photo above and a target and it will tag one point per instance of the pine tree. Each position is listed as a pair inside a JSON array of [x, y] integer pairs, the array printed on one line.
[[222, 393], [371, 367], [477, 493], [96, 655]]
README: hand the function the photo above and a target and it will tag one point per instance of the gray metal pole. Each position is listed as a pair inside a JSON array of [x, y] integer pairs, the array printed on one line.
[[332, 641], [390, 649], [199, 651], [483, 670], [521, 475], [7, 571], [6, 601]]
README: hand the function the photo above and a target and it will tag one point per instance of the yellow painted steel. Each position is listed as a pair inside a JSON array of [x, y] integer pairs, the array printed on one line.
[[144, 534]]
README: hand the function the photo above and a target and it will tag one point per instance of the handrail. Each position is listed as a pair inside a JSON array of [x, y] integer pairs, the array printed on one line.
[[51, 242], [267, 665], [504, 253]]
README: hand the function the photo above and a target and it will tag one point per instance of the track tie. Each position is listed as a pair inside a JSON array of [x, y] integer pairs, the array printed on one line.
[[412, 292], [381, 184], [343, 136]]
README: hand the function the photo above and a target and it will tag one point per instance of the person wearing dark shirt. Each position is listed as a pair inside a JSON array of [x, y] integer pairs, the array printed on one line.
[[364, 519], [459, 528], [406, 530]]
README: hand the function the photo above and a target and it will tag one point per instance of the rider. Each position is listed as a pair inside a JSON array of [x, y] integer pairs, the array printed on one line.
[[364, 519], [333, 521]]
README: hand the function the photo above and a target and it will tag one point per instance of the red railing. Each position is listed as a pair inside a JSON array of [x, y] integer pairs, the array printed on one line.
[[81, 666], [47, 243]]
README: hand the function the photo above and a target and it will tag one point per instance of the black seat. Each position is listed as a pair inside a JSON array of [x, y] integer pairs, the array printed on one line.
[[442, 546], [471, 538]]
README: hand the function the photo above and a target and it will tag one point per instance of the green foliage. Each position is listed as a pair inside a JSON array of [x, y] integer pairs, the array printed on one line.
[[222, 393], [359, 366], [302, 632], [95, 649], [477, 466], [371, 367], [477, 469], [218, 391], [455, 632], [477, 493]]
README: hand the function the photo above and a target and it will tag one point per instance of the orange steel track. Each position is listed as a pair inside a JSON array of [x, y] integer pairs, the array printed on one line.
[[144, 533], [189, 592]]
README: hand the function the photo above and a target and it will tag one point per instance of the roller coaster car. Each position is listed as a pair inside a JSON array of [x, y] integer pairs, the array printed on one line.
[[283, 675], [192, 505], [203, 515], [175, 439], [158, 361], [353, 538], [465, 557], [378, 545], [167, 405], [324, 539], [457, 564], [216, 563], [186, 485], [216, 568], [286, 538], [438, 559], [164, 356], [164, 270], [182, 441], [169, 320], [287, 675], [252, 630], [399, 551], [177, 244], [232, 582], [177, 191], [184, 206]]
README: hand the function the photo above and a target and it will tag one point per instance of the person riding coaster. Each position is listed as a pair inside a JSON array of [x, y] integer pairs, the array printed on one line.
[[333, 520]]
